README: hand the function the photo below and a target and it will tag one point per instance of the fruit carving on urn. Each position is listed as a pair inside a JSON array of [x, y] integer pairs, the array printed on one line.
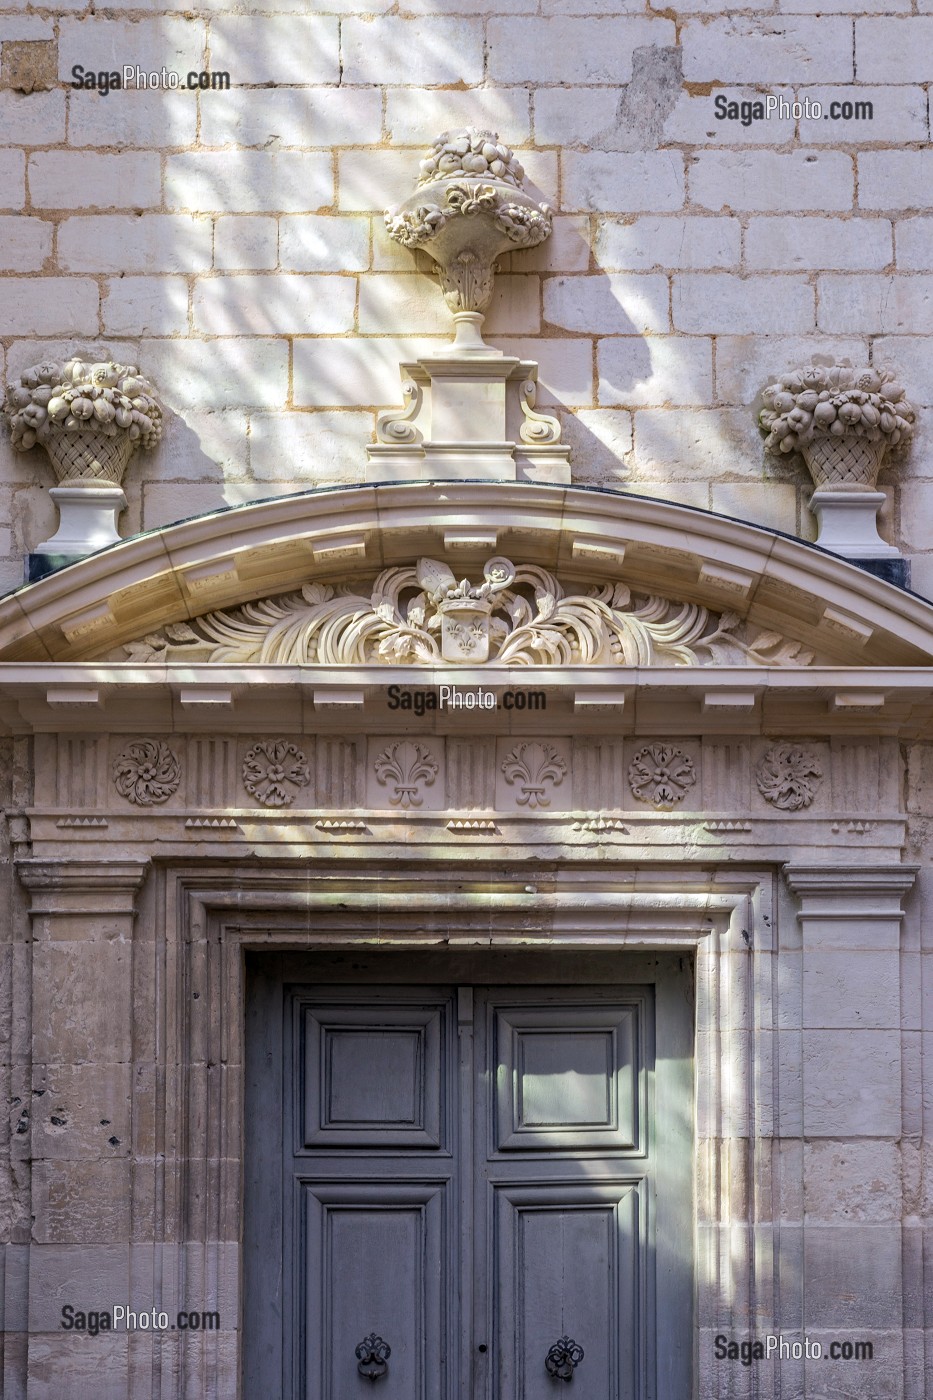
[[469, 207], [458, 421], [842, 420], [90, 418]]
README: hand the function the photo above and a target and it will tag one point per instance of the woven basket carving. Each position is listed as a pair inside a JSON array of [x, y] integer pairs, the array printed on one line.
[[844, 463], [90, 457]]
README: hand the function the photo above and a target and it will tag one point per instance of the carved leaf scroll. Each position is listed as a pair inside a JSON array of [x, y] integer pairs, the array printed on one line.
[[520, 615], [788, 777]]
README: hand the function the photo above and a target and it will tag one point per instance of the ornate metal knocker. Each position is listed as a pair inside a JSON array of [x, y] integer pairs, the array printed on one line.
[[563, 1359], [372, 1356]]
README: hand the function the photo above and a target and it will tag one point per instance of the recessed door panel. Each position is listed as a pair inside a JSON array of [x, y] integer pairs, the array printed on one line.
[[374, 1276], [567, 1078], [373, 1076], [568, 1260]]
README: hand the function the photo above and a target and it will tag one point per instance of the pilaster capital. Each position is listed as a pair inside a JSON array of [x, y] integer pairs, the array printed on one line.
[[844, 891], [87, 887]]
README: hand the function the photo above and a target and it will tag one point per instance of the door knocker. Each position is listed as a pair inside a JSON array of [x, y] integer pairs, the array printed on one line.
[[372, 1357], [563, 1359]]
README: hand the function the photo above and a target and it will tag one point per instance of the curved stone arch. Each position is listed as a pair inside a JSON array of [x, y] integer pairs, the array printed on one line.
[[229, 557]]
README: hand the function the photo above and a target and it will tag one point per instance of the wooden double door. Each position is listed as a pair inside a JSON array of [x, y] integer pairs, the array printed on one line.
[[469, 1190]]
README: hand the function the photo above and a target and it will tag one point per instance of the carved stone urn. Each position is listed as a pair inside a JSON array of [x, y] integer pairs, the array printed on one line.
[[459, 420], [468, 208], [842, 420], [90, 418]]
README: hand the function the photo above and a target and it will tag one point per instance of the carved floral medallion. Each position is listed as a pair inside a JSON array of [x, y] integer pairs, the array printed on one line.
[[788, 777], [274, 772], [147, 773], [661, 775]]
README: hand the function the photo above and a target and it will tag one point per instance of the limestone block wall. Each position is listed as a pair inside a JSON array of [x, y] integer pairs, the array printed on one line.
[[232, 241]]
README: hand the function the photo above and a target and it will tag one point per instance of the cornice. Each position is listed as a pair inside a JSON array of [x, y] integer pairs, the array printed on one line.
[[346, 533]]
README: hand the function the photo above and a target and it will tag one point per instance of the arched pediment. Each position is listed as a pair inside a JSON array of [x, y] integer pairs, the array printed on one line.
[[715, 582]]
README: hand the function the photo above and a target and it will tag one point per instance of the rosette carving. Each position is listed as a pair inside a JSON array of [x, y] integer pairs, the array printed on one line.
[[147, 773], [661, 775], [274, 771]]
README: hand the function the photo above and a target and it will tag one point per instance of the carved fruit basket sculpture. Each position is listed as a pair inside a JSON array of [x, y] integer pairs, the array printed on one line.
[[841, 419], [90, 418], [469, 207]]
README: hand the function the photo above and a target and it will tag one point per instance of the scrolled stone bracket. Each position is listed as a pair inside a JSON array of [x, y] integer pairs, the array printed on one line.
[[469, 413], [538, 428], [396, 427]]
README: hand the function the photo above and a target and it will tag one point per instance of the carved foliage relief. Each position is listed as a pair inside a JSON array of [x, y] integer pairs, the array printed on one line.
[[788, 777], [146, 773], [519, 615]]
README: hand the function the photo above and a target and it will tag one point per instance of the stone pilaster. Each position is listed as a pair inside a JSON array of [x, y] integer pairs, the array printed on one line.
[[82, 1115], [842, 1028]]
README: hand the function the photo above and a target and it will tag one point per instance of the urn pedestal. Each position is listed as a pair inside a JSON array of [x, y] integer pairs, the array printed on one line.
[[87, 522]]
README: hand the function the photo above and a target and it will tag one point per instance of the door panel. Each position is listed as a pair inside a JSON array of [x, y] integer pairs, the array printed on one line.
[[566, 1078], [369, 1177], [568, 1260], [374, 1268], [564, 1175], [373, 1076]]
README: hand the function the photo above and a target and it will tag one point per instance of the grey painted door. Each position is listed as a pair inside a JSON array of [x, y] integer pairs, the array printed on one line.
[[467, 1193]]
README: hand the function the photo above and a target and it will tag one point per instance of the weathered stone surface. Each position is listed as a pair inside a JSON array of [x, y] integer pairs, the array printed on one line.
[[28, 65], [851, 1083]]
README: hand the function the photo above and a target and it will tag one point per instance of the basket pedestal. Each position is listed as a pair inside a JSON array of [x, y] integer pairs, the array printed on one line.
[[849, 524], [87, 519]]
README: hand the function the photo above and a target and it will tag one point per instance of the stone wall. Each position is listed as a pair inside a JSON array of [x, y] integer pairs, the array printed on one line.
[[233, 241]]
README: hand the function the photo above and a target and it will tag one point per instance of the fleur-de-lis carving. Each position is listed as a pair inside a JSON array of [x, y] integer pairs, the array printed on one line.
[[532, 766], [407, 767]]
